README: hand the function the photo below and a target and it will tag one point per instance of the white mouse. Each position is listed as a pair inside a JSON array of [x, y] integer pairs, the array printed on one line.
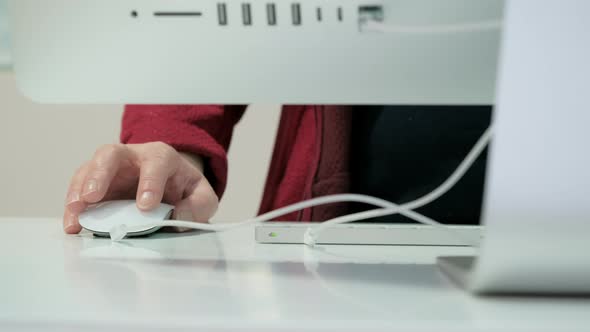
[[104, 217]]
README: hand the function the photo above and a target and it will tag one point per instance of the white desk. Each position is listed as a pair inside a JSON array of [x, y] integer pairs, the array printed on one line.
[[209, 281]]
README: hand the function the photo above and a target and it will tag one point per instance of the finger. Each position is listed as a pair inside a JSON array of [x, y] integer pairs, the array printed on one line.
[[199, 206], [101, 171], [74, 204], [71, 224], [155, 169]]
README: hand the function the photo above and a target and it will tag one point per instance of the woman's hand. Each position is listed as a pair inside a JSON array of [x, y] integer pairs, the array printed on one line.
[[151, 173]]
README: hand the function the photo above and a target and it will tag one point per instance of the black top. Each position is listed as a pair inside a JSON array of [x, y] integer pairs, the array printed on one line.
[[401, 153]]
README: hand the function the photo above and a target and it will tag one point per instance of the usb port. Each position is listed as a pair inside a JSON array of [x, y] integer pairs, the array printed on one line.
[[296, 13], [246, 14], [222, 13], [370, 13], [271, 13]]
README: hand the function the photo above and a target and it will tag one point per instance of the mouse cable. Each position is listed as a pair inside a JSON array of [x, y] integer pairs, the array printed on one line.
[[120, 231], [386, 207]]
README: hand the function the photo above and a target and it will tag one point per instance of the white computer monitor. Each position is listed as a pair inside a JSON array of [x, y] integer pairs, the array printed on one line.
[[216, 51]]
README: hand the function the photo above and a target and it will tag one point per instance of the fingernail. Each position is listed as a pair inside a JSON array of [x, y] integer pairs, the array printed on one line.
[[146, 199], [91, 186], [72, 198]]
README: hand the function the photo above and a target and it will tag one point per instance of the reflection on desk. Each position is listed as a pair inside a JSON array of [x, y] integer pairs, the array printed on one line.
[[227, 281]]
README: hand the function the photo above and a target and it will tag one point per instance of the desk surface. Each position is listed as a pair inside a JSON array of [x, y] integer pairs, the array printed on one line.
[[226, 281]]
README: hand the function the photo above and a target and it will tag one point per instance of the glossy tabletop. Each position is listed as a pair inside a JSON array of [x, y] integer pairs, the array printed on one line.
[[225, 281]]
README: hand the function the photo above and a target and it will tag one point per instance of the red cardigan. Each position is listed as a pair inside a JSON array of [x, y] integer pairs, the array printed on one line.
[[310, 157]]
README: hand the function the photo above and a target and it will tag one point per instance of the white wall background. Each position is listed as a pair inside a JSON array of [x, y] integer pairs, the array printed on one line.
[[41, 145]]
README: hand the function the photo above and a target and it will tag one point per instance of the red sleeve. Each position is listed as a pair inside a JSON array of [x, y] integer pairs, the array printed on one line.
[[204, 130]]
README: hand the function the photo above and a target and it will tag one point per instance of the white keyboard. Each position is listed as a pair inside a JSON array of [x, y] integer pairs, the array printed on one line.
[[370, 233]]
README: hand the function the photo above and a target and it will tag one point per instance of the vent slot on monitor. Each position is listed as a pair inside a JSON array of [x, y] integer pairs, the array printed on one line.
[[296, 13], [177, 14], [247, 14], [271, 13], [222, 13]]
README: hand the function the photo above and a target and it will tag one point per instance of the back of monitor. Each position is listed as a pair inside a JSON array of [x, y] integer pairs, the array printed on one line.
[[537, 204], [215, 51]]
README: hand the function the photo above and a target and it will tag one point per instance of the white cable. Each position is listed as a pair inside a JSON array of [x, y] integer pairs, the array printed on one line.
[[431, 29], [313, 232], [121, 231], [387, 208]]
